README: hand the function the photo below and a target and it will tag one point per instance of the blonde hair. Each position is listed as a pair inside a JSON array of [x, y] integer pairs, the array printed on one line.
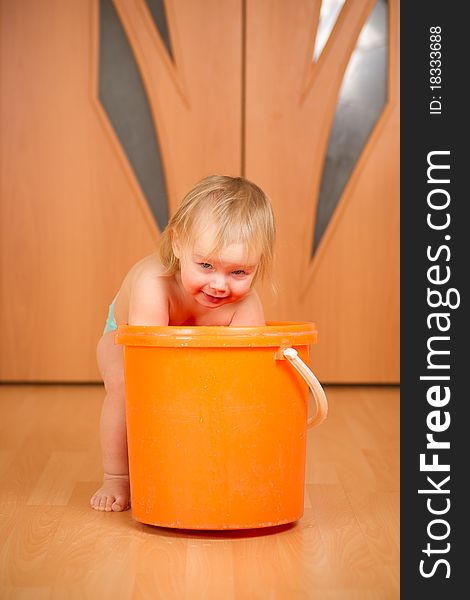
[[240, 212]]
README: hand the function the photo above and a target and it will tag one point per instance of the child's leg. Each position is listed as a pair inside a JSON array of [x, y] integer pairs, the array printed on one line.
[[114, 493]]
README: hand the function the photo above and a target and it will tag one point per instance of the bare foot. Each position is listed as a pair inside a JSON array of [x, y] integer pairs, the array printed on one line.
[[113, 495]]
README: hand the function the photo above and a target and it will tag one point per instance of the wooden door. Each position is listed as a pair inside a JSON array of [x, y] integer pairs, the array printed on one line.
[[74, 216], [226, 87], [350, 287]]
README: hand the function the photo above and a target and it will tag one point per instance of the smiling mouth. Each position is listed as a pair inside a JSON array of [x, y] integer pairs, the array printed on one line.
[[214, 299]]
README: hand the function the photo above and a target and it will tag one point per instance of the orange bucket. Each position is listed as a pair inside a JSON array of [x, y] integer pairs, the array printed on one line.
[[216, 423]]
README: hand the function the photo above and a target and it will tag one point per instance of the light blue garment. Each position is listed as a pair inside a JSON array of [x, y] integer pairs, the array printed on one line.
[[111, 324]]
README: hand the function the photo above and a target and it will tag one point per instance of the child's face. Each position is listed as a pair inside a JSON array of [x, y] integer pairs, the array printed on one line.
[[216, 280]]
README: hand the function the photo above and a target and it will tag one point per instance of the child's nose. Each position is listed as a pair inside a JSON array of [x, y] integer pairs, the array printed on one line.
[[218, 283]]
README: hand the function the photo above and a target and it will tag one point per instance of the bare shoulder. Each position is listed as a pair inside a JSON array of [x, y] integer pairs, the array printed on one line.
[[148, 293], [249, 312], [148, 266]]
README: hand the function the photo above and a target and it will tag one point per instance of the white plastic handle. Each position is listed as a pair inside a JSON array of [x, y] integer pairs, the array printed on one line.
[[321, 403]]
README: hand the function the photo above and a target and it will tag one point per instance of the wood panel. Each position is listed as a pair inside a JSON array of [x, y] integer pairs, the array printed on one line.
[[351, 287], [52, 545], [195, 100], [73, 217]]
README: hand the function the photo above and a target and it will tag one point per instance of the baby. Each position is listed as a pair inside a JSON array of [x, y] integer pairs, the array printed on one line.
[[218, 243]]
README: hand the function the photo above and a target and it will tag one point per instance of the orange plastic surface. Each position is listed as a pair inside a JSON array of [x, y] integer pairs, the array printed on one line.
[[216, 435], [285, 333]]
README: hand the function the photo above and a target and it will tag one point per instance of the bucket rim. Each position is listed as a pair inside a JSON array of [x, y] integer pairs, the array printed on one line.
[[273, 334]]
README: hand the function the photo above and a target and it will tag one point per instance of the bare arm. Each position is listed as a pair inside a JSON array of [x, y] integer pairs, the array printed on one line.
[[249, 313], [148, 303]]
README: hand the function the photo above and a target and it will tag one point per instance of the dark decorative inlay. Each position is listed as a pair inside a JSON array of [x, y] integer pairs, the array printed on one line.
[[123, 96], [361, 101], [157, 10]]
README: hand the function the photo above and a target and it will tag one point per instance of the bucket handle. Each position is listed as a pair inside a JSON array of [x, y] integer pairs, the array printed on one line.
[[321, 403]]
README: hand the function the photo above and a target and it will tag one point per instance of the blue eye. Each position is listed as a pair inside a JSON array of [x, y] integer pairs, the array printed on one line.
[[205, 265]]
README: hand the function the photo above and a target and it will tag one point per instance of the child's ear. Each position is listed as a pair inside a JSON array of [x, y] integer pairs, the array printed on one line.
[[176, 245]]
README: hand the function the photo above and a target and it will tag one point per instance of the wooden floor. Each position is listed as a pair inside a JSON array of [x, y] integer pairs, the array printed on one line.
[[52, 545]]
